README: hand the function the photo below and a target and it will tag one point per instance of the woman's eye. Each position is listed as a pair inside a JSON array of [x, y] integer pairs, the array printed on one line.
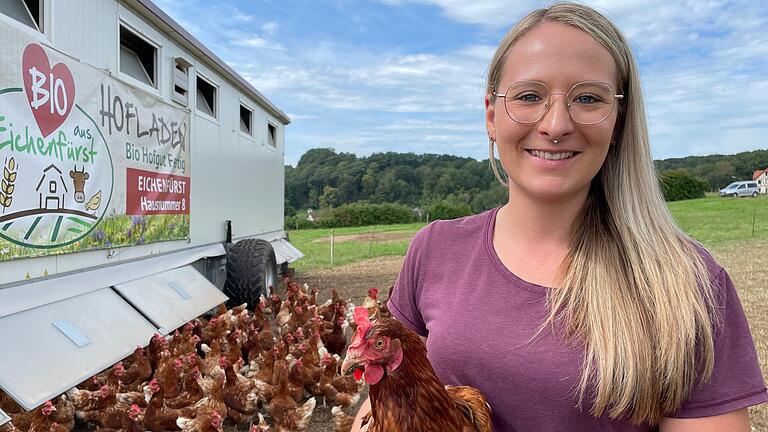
[[586, 99], [528, 97]]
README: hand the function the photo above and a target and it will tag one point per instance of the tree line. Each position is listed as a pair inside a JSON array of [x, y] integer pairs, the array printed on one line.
[[324, 178]]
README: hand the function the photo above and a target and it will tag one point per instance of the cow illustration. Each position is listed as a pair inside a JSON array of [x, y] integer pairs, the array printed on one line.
[[79, 178]]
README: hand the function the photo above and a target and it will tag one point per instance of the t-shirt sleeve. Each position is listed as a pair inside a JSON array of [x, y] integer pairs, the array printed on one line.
[[737, 381], [403, 303]]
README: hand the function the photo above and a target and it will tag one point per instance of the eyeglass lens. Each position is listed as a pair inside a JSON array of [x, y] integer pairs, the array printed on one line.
[[588, 102]]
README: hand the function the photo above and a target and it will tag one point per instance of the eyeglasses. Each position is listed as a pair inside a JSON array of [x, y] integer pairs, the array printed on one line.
[[588, 102]]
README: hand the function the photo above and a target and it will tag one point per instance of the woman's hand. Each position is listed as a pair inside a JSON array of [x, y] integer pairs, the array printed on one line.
[[365, 409]]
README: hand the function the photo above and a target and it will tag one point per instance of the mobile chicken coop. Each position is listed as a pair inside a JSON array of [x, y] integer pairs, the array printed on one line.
[[108, 111]]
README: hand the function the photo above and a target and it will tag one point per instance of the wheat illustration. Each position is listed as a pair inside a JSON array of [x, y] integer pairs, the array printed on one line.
[[6, 184]]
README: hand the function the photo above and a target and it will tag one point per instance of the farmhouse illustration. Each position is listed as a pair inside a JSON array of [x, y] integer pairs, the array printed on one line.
[[51, 188]]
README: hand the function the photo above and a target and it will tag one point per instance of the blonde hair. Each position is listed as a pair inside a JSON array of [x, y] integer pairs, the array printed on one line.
[[633, 289]]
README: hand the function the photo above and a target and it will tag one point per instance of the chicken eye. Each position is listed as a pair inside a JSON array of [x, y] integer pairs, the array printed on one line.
[[379, 344]]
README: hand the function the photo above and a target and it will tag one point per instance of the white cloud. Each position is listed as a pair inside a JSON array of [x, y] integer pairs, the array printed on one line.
[[704, 68], [270, 28], [258, 42]]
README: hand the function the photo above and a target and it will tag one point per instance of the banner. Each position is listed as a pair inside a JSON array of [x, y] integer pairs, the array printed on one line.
[[88, 162]]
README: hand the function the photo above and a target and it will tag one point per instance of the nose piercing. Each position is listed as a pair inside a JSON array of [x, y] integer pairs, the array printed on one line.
[[554, 141]]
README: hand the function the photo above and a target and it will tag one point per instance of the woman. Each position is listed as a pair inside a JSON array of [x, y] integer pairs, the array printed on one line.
[[578, 305]]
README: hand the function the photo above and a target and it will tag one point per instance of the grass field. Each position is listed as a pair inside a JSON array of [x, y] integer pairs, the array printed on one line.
[[716, 221], [723, 225], [713, 221], [350, 244]]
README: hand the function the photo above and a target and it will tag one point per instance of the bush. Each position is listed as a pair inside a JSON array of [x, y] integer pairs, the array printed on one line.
[[681, 185], [361, 214], [448, 210], [298, 222], [355, 214]]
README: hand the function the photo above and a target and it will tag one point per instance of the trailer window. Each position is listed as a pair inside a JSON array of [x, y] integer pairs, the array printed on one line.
[[138, 57], [246, 115], [24, 11], [181, 81], [206, 97], [272, 134]]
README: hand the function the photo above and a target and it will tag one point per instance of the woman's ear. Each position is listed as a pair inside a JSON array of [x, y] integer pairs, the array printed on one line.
[[490, 117]]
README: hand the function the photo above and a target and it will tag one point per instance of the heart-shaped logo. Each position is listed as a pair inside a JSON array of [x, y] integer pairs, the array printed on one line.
[[50, 91]]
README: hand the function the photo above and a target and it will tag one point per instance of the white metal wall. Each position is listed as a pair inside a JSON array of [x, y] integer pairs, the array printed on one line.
[[233, 176]]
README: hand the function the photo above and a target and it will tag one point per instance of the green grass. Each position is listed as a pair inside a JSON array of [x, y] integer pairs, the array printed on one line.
[[716, 221], [317, 247], [713, 221]]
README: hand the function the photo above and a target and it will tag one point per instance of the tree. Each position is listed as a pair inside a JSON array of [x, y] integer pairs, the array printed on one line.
[[329, 197], [681, 185]]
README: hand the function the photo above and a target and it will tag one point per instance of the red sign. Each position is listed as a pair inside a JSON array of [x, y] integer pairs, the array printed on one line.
[[151, 193], [50, 90]]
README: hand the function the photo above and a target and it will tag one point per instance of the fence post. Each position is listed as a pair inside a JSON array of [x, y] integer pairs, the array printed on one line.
[[370, 243], [333, 234], [754, 212]]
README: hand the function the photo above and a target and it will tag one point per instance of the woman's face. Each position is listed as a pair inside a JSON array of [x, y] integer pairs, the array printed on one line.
[[559, 56]]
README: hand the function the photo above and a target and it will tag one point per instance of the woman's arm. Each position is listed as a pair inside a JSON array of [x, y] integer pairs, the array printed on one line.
[[365, 408], [736, 421]]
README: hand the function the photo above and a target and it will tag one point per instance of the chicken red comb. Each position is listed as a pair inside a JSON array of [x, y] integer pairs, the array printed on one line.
[[363, 325], [223, 362], [373, 292]]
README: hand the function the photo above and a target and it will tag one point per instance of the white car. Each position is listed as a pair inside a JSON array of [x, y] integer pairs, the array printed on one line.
[[740, 189]]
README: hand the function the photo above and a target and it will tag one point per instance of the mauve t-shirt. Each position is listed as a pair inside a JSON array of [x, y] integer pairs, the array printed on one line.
[[479, 316]]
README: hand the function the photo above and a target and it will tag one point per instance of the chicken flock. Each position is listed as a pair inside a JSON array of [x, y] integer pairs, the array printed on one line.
[[266, 367]]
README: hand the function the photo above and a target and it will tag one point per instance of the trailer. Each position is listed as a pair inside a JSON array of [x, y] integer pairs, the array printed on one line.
[[109, 110]]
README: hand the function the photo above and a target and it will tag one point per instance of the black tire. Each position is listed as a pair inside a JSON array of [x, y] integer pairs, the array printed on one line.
[[251, 272]]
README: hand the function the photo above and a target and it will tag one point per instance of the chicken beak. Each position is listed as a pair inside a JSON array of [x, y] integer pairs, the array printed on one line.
[[351, 362]]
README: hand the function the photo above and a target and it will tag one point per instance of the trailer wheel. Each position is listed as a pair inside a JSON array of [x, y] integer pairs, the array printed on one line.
[[251, 272]]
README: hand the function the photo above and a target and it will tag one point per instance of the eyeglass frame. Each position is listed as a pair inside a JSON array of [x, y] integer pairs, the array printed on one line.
[[567, 103]]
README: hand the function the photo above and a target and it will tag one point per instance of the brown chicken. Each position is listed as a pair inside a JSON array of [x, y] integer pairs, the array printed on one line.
[[37, 420], [262, 426], [206, 422], [191, 391], [157, 344], [393, 361], [342, 422], [372, 303], [335, 389], [65, 412], [287, 414], [138, 370], [242, 404], [132, 421], [158, 417], [214, 401], [89, 409], [335, 341]]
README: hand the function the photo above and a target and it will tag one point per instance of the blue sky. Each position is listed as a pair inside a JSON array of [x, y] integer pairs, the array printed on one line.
[[367, 76]]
